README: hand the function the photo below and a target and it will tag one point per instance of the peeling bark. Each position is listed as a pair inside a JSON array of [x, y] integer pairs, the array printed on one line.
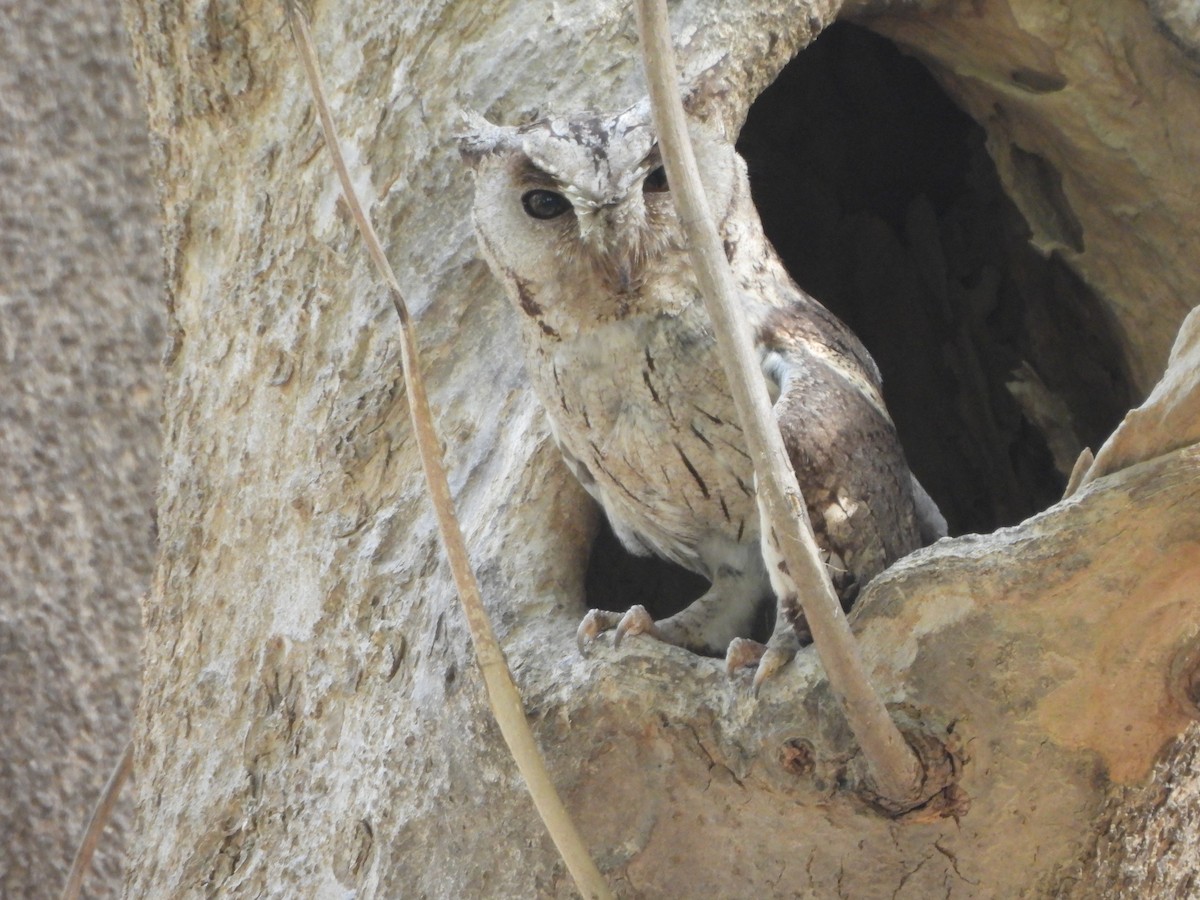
[[1170, 417], [1148, 836]]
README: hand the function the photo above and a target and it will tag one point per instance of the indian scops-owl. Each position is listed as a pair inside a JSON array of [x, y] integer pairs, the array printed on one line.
[[575, 217]]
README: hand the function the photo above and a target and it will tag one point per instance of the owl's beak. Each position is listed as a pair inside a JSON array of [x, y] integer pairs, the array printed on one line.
[[608, 231]]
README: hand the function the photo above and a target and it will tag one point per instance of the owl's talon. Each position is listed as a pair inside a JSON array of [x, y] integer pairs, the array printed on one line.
[[742, 652], [769, 657], [594, 624], [636, 621], [774, 659]]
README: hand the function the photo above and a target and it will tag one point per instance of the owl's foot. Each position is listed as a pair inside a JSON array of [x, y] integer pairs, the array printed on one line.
[[769, 657], [594, 624], [743, 652], [708, 623], [636, 621]]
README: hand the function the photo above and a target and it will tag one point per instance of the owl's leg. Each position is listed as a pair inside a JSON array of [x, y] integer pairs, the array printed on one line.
[[708, 624], [790, 632]]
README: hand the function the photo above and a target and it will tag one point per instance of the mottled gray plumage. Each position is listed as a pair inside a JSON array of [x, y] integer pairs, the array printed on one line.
[[574, 217]]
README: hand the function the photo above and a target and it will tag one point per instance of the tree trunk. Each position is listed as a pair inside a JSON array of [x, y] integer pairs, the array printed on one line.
[[80, 341], [312, 720]]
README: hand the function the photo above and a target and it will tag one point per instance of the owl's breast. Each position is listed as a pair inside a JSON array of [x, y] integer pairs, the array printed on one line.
[[642, 412]]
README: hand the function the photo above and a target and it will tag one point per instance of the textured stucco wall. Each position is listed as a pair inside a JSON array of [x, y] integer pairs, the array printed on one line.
[[81, 328]]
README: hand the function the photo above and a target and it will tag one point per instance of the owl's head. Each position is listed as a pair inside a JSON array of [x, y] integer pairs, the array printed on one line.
[[585, 196]]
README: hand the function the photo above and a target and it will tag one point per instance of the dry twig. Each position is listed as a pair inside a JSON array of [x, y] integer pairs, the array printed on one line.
[[100, 816], [897, 772], [502, 692]]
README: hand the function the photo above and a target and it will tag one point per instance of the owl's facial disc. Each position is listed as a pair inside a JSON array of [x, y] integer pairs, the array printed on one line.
[[624, 233], [595, 188]]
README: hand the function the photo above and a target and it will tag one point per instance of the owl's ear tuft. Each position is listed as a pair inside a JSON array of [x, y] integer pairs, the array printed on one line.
[[479, 138]]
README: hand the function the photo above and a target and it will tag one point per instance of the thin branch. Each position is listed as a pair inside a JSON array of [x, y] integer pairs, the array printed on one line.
[[100, 817], [502, 692], [897, 772]]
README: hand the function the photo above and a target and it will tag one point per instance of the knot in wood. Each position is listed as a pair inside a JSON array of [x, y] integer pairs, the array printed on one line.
[[939, 796]]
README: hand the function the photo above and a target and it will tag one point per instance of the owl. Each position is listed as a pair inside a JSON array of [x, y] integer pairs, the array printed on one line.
[[575, 218]]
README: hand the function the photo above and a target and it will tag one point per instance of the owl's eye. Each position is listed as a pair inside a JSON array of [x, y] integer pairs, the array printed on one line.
[[545, 204], [656, 182]]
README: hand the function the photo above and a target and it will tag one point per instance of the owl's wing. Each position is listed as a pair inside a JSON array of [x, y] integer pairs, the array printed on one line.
[[929, 518], [866, 507]]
